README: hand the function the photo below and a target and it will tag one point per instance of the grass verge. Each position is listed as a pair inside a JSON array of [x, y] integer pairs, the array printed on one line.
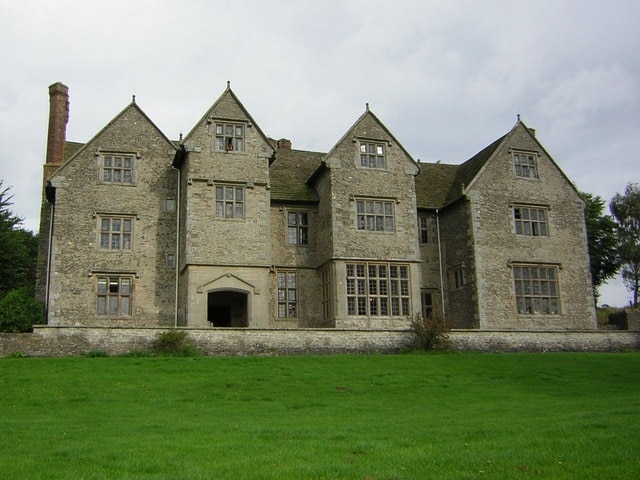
[[444, 416]]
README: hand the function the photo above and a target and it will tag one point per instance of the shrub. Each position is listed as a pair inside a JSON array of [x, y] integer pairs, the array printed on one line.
[[429, 333], [175, 342], [19, 312], [96, 354]]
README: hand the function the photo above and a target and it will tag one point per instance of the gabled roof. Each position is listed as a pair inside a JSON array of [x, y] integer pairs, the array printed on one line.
[[289, 174], [228, 93], [349, 132], [73, 149]]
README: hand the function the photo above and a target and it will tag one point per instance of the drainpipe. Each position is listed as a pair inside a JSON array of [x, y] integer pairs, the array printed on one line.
[[49, 261], [440, 264], [177, 257]]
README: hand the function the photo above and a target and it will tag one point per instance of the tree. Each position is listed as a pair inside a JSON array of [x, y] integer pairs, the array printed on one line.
[[626, 210], [602, 240], [18, 249]]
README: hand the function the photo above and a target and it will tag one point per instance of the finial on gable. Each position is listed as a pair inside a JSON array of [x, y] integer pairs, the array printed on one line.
[[228, 84], [518, 115], [133, 98], [367, 105]]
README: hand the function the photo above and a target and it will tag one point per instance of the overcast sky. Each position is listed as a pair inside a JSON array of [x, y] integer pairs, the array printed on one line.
[[446, 77]]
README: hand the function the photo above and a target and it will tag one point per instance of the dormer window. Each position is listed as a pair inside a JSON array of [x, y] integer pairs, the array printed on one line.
[[524, 165], [229, 137], [372, 155]]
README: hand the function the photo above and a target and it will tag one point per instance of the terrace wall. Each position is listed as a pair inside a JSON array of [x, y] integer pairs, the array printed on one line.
[[65, 341]]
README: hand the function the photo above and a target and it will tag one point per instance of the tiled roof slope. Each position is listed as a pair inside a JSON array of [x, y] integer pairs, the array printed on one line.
[[438, 185], [289, 174], [70, 149]]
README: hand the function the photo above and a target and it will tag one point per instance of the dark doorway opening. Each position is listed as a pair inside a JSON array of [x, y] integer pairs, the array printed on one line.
[[227, 309]]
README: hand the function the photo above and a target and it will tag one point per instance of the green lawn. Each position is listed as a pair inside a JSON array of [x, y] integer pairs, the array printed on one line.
[[415, 416]]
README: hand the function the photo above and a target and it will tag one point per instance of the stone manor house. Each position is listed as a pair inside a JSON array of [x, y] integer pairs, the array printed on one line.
[[230, 228]]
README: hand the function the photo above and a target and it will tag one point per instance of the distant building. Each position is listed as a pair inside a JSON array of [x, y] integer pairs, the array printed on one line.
[[230, 228]]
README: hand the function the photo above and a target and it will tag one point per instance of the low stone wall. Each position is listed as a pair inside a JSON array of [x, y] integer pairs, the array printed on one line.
[[65, 341]]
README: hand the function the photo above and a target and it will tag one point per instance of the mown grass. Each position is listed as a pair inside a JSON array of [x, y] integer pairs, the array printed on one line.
[[444, 416]]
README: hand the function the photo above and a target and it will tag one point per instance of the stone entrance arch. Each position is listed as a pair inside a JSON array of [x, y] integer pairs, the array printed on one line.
[[227, 308]]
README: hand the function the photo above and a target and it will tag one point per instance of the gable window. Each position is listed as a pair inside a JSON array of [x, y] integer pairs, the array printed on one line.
[[536, 289], [531, 221], [117, 168], [229, 137], [372, 155], [427, 229], [377, 289], [287, 295], [297, 228], [524, 165], [229, 202], [114, 296], [116, 233], [375, 215]]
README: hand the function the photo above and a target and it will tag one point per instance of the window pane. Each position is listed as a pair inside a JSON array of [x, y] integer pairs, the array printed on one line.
[[102, 305], [125, 306]]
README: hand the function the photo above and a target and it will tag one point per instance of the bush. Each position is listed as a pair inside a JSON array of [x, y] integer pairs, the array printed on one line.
[[19, 312], [175, 342], [429, 333], [96, 354]]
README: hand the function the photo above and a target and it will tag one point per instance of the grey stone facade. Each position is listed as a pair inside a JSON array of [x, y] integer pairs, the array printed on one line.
[[230, 228]]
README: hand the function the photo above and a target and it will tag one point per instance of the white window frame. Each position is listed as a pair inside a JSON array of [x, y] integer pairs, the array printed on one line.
[[297, 227], [427, 230]]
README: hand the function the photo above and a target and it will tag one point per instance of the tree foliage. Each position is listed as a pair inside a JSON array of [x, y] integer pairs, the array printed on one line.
[[602, 240], [626, 210], [18, 249], [20, 311]]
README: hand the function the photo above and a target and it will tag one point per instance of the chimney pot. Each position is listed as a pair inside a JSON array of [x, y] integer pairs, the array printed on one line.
[[284, 144]]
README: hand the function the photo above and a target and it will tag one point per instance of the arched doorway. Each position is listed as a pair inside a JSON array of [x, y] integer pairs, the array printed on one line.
[[227, 308]]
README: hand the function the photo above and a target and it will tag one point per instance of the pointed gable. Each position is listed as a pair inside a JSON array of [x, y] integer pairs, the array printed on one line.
[[227, 107], [123, 132], [369, 127]]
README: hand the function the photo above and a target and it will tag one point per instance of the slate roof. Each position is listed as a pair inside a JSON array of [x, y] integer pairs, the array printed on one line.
[[289, 174], [438, 185], [70, 149]]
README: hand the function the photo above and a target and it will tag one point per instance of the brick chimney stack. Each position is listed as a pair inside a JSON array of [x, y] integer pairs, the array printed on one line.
[[58, 118]]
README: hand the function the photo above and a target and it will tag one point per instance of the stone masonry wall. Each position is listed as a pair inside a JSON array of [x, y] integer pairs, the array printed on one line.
[[66, 341]]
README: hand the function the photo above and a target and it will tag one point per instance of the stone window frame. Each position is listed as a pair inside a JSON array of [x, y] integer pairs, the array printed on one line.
[[457, 277], [108, 233], [170, 261], [530, 220], [525, 164], [378, 289], [223, 203], [114, 294], [427, 299], [372, 153], [114, 164], [287, 294], [370, 219], [299, 230], [536, 288], [229, 135], [427, 229], [170, 205]]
